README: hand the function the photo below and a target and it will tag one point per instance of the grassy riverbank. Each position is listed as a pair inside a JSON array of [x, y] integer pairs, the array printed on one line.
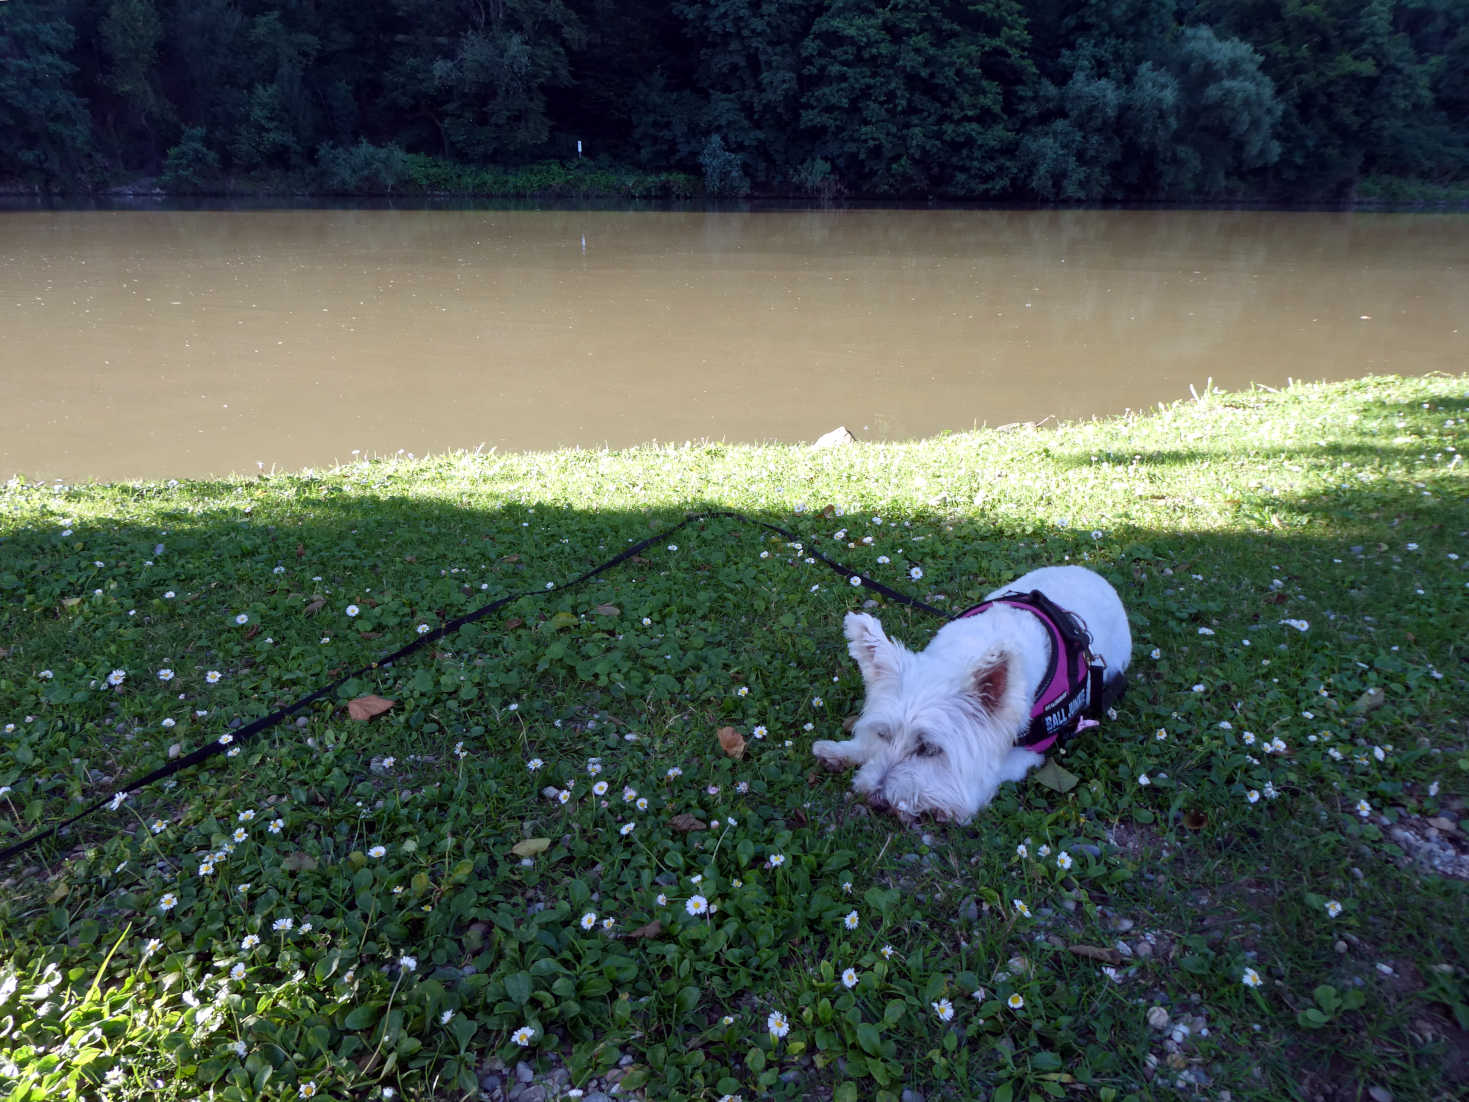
[[1255, 884]]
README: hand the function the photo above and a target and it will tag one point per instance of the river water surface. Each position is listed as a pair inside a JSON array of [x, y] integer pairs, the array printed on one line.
[[172, 344]]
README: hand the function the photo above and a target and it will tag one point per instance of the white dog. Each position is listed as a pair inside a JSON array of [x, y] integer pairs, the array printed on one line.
[[943, 728]]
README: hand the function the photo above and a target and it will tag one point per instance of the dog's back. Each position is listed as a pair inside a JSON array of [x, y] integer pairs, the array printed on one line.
[[1092, 599]]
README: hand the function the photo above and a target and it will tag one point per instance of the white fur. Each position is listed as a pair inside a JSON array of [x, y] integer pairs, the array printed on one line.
[[938, 727]]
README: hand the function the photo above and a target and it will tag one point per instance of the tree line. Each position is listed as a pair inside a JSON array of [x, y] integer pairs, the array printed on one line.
[[1076, 100]]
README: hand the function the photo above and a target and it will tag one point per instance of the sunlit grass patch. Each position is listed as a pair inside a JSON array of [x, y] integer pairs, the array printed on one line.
[[544, 854]]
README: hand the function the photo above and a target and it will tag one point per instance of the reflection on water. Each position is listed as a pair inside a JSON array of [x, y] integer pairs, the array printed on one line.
[[169, 344]]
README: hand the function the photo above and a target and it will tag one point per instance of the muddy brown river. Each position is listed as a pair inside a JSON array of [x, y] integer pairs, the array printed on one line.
[[172, 344]]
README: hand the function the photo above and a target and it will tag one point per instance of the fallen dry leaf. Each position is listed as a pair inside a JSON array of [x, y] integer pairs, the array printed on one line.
[[685, 822], [732, 742], [651, 930], [513, 623], [1195, 819], [365, 707], [1094, 952], [316, 606], [510, 558], [607, 610], [531, 847]]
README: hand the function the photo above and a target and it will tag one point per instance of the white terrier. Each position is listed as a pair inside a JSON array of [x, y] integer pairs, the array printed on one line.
[[943, 728]]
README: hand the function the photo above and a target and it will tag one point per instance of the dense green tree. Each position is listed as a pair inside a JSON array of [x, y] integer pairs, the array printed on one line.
[[130, 33], [747, 78], [1052, 99], [191, 167], [631, 52], [911, 98], [1226, 116], [1073, 146], [1346, 79], [481, 74], [1161, 112], [45, 130], [207, 75]]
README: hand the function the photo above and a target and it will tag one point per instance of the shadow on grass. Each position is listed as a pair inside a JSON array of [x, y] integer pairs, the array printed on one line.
[[661, 645]]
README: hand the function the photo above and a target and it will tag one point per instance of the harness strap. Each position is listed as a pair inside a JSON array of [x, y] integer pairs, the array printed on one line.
[[1073, 687]]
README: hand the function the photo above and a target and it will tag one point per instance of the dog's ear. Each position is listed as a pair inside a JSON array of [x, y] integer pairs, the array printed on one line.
[[875, 654], [991, 680]]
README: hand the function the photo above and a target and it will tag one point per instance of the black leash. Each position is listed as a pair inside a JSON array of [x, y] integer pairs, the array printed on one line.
[[250, 730]]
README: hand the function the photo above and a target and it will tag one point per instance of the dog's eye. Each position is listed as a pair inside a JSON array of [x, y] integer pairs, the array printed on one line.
[[927, 749]]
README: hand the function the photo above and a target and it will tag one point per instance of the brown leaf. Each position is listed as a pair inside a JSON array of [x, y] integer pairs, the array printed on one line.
[[1094, 952], [513, 623], [829, 512], [300, 861], [252, 631], [607, 610], [1195, 819], [684, 822], [365, 707], [300, 550], [510, 558], [732, 742], [651, 930], [316, 606]]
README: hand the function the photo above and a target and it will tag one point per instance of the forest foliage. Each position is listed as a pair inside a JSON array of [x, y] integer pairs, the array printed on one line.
[[1049, 100]]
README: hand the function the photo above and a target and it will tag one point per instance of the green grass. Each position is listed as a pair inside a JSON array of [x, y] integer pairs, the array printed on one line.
[[151, 952]]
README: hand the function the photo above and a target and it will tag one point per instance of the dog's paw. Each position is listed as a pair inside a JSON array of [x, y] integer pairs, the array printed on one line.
[[829, 755]]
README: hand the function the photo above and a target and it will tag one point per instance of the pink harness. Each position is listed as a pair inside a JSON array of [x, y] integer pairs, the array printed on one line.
[[1071, 694]]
